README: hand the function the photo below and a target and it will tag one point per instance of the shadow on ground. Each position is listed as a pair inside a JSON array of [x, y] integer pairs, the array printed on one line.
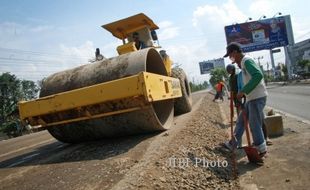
[[58, 152]]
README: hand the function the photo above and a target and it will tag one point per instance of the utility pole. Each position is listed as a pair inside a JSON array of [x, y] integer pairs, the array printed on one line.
[[268, 72], [272, 62], [258, 60]]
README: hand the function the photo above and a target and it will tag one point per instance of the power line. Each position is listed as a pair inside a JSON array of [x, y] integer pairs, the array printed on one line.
[[16, 59], [49, 64], [31, 62], [40, 53]]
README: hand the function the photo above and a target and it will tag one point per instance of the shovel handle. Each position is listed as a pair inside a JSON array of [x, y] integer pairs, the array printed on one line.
[[245, 119], [231, 115]]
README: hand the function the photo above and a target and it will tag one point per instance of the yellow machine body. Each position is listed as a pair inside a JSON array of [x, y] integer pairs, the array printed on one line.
[[151, 87], [121, 29]]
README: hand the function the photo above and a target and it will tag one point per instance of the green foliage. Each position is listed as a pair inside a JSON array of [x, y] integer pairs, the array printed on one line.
[[284, 70], [268, 78], [29, 89], [197, 87], [9, 94], [13, 90], [12, 128], [304, 63], [217, 75]]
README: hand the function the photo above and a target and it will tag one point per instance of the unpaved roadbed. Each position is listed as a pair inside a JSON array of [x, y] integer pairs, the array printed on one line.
[[174, 159], [182, 162]]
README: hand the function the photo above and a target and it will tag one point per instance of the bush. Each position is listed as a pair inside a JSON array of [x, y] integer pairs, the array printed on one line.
[[12, 128]]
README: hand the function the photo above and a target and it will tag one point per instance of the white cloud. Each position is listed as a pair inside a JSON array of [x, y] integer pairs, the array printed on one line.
[[217, 15], [167, 30], [261, 7], [85, 50], [188, 58], [301, 28], [109, 50], [210, 21]]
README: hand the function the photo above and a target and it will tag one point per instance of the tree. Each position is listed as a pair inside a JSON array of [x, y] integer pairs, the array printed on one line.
[[13, 90], [218, 74], [29, 90], [197, 87], [284, 70], [9, 94], [303, 63]]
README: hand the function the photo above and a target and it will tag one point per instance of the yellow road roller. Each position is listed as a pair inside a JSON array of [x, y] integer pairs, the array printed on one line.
[[134, 92]]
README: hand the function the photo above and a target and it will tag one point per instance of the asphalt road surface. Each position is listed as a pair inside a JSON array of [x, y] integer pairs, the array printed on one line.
[[292, 99]]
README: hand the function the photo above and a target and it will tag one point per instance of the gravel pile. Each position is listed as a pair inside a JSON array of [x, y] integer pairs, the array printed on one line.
[[194, 158]]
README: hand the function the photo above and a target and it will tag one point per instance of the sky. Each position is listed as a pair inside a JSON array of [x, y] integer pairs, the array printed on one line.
[[41, 37]]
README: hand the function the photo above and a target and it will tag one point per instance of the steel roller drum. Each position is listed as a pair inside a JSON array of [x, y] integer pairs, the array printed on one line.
[[155, 117]]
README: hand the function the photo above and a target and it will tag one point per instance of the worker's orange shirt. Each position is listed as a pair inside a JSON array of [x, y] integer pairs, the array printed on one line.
[[219, 87]]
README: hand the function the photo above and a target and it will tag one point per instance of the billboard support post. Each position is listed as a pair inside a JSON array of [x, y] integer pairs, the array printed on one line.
[[272, 63], [288, 62]]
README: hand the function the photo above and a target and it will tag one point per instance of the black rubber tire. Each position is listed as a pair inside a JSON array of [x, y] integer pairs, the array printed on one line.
[[183, 104]]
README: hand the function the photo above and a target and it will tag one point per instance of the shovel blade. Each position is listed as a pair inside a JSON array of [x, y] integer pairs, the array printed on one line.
[[252, 154]]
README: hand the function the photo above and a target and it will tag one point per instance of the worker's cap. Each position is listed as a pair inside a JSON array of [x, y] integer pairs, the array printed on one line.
[[232, 47]]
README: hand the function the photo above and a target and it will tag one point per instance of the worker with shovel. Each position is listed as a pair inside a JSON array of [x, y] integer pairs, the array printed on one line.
[[256, 95]]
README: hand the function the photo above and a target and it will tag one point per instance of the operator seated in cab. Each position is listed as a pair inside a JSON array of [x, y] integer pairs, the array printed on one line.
[[138, 43]]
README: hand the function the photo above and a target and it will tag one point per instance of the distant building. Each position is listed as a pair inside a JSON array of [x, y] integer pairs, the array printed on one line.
[[207, 66], [306, 55], [301, 51]]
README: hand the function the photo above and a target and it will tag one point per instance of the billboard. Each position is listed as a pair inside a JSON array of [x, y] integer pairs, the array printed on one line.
[[207, 66], [262, 34]]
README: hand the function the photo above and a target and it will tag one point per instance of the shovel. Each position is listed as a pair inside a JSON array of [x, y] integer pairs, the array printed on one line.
[[233, 155], [251, 152]]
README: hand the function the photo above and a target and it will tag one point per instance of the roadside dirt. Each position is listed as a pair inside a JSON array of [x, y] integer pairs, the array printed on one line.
[[185, 157], [287, 165]]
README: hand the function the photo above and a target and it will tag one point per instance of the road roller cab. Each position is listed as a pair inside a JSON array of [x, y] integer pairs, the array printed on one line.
[[138, 25], [128, 94], [126, 29]]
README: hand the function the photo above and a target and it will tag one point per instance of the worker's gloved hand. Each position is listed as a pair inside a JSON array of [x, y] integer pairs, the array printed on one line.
[[242, 101], [240, 95]]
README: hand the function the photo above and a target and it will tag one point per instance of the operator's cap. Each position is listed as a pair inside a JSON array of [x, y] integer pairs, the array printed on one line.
[[233, 46]]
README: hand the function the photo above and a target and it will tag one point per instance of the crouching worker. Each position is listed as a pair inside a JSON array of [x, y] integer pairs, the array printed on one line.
[[219, 91]]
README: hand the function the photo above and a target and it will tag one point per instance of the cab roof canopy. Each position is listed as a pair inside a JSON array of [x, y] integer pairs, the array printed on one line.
[[122, 28]]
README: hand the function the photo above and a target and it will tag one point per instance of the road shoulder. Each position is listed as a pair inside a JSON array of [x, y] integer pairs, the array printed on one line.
[[287, 165]]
